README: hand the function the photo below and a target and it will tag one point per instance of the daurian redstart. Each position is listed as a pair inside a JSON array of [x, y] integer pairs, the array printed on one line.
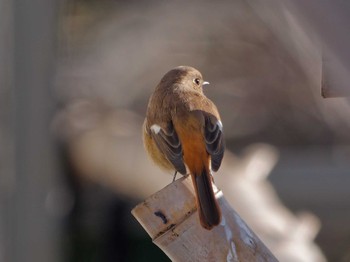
[[183, 132]]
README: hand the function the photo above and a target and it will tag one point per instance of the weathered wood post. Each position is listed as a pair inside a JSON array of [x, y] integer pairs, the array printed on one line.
[[170, 218]]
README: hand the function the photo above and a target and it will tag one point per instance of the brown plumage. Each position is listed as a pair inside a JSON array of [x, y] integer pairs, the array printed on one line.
[[183, 132]]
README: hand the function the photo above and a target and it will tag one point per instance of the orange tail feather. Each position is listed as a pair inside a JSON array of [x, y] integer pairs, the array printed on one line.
[[207, 205]]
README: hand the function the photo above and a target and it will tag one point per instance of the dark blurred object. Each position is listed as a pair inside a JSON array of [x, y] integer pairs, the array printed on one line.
[[101, 227]]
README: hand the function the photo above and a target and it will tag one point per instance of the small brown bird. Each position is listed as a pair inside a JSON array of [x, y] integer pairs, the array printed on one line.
[[183, 132]]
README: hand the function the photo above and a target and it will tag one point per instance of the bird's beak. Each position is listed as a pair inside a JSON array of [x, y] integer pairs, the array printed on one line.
[[205, 83]]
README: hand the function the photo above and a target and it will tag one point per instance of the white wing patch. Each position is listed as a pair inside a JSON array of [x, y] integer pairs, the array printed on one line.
[[220, 125], [155, 128]]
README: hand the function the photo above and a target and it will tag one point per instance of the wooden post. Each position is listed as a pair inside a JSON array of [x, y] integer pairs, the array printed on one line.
[[170, 218]]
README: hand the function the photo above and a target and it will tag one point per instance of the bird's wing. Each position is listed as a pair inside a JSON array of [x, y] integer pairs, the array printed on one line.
[[214, 140], [169, 144]]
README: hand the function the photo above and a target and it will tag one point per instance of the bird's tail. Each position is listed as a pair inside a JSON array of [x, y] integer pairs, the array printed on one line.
[[207, 205]]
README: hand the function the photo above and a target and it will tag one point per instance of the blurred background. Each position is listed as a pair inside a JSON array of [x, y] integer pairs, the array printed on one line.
[[75, 78]]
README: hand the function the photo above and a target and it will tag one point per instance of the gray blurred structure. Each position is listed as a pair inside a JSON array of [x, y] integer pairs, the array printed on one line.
[[29, 231], [330, 20], [6, 128], [326, 22]]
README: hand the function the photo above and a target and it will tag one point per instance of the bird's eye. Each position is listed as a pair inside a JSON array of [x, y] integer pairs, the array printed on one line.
[[196, 81]]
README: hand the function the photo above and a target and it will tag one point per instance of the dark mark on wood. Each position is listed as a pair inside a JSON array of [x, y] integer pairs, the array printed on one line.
[[174, 233], [162, 216], [165, 230]]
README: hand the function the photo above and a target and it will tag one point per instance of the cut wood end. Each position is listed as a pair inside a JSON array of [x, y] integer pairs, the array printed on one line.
[[166, 208]]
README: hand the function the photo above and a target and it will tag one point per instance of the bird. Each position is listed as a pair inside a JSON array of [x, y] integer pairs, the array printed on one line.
[[183, 132]]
